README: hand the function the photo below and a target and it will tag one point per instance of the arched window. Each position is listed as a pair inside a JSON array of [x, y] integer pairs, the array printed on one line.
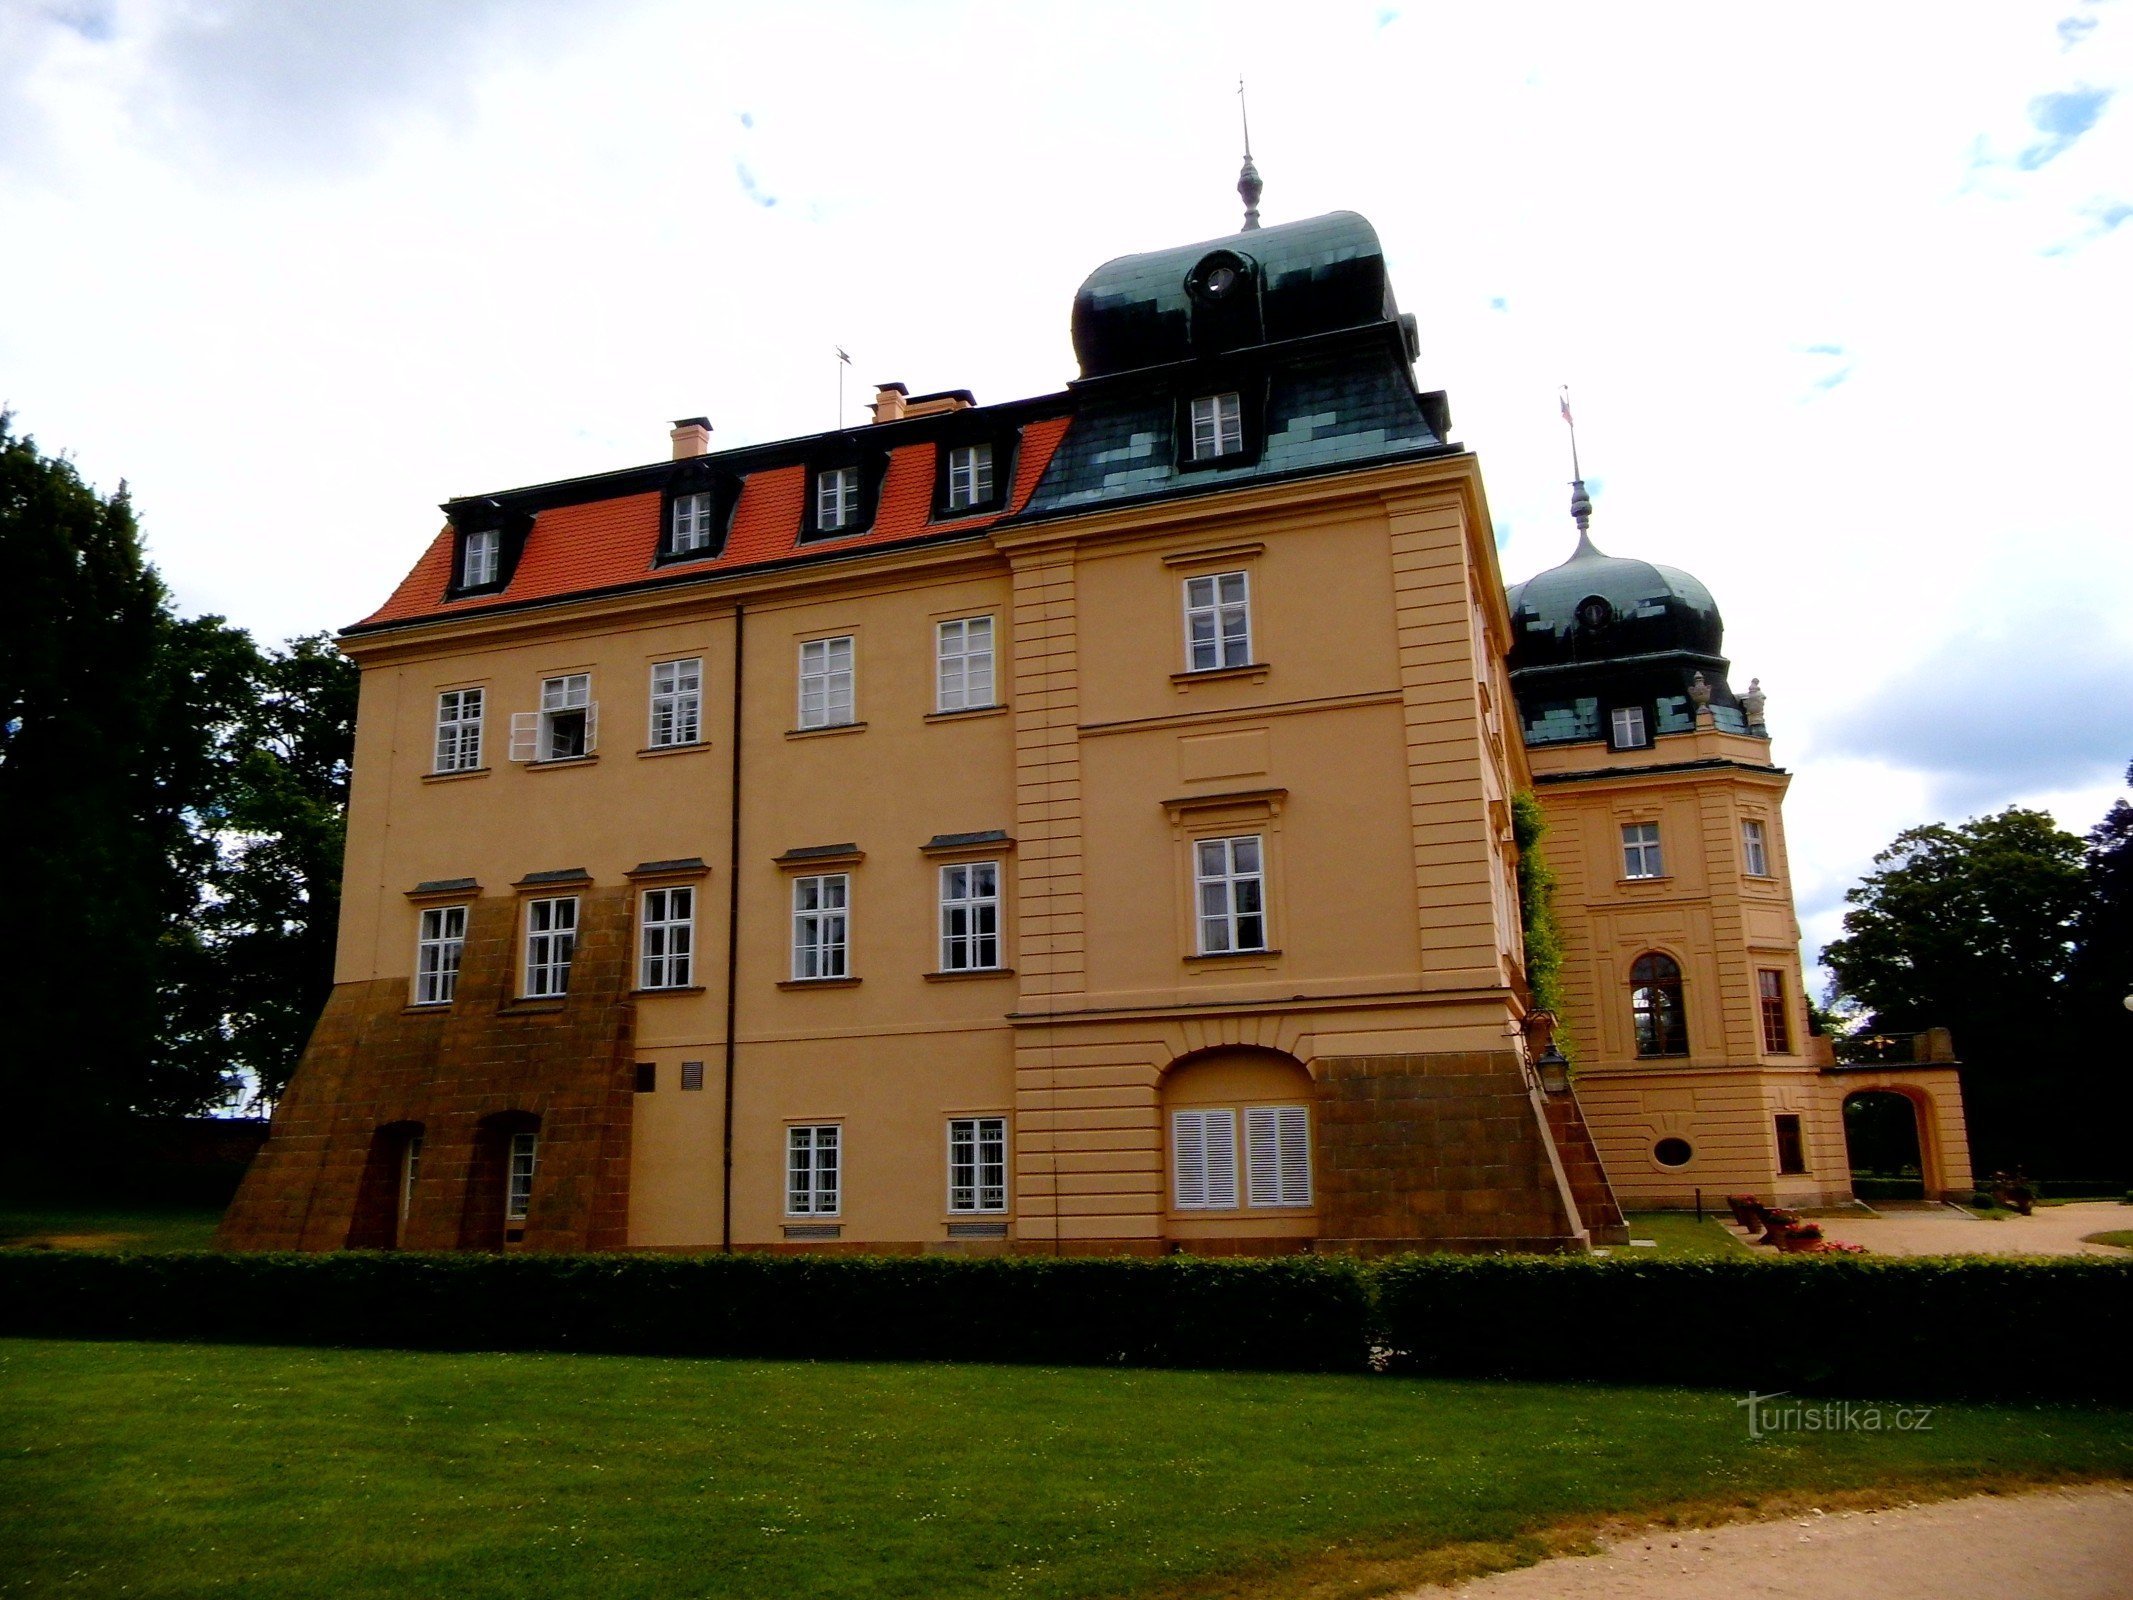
[[1655, 1003]]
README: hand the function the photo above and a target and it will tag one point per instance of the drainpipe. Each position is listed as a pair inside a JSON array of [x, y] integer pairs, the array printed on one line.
[[733, 940]]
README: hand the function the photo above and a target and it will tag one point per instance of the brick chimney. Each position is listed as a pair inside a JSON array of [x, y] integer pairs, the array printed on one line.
[[692, 437], [927, 405], [888, 403]]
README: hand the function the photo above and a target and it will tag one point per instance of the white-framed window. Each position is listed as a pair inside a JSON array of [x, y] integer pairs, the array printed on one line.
[[551, 939], [826, 682], [836, 498], [478, 561], [666, 942], [813, 1170], [458, 730], [677, 702], [518, 1182], [691, 526], [1754, 849], [1640, 851], [1217, 426], [970, 916], [1229, 889], [1203, 1160], [439, 941], [977, 1164], [1218, 621], [565, 728], [1629, 731], [410, 1170], [1277, 1155], [963, 664], [969, 476], [821, 927]]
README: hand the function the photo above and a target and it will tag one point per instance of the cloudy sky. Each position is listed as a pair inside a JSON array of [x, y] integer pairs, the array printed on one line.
[[1844, 293]]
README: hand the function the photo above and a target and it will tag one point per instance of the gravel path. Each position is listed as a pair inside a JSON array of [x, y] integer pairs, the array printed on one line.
[[2051, 1544], [2048, 1231]]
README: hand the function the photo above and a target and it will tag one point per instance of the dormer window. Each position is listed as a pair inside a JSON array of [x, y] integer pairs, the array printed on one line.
[[969, 476], [691, 525], [1217, 426], [836, 499], [1628, 728], [480, 558]]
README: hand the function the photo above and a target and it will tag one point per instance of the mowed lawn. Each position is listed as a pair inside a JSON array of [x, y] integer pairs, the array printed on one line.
[[166, 1470]]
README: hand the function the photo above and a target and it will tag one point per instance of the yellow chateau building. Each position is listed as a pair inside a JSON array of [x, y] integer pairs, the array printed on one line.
[[1081, 824]]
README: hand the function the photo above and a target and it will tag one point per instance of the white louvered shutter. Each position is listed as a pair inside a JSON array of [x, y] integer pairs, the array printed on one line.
[[1295, 1125], [1188, 1143], [1221, 1143], [525, 736], [1262, 1156], [592, 726]]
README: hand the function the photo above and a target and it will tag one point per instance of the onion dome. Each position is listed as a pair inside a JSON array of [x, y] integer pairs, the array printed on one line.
[[1597, 607]]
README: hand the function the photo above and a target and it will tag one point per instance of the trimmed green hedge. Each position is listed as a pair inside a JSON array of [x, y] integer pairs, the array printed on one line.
[[1973, 1326], [1839, 1325]]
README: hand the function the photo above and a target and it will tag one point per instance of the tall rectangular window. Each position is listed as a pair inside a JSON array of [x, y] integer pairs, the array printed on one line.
[[438, 944], [677, 702], [1770, 996], [691, 527], [977, 1164], [826, 682], [667, 939], [812, 1163], [1218, 622], [1217, 426], [479, 562], [551, 939], [410, 1171], [1628, 723], [963, 664], [518, 1190], [458, 730], [1792, 1147], [1640, 851], [1754, 850], [566, 717], [1230, 890], [820, 926], [970, 916], [1277, 1155], [836, 498], [969, 476], [1203, 1160]]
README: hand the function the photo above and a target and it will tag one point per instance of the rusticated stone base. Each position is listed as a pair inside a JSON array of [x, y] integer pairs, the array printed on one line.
[[1437, 1151], [466, 1075]]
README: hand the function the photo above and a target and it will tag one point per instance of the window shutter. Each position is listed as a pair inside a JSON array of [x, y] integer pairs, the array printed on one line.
[[592, 725], [1262, 1156], [525, 735], [1221, 1141], [1189, 1158], [1294, 1123]]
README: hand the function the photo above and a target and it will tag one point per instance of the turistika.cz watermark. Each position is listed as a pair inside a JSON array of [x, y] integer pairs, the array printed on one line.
[[1777, 1413]]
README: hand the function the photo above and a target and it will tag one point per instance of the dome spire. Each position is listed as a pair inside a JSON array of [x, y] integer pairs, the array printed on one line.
[[1580, 501], [1248, 185]]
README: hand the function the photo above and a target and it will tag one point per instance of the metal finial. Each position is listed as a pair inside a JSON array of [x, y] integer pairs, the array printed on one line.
[[1249, 186], [1580, 501]]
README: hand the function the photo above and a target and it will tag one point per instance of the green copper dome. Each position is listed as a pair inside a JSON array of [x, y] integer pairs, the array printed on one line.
[[1596, 607]]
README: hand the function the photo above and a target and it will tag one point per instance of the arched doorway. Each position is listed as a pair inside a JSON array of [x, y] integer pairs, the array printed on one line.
[[501, 1183], [387, 1188], [1239, 1135], [1884, 1145]]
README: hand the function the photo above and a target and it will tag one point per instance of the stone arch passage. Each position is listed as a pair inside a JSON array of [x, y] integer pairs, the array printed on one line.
[[1885, 1144]]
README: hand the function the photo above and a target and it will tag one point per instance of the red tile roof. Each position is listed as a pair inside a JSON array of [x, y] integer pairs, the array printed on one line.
[[609, 544]]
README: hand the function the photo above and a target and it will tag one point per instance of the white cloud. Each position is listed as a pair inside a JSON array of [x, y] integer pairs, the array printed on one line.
[[301, 272]]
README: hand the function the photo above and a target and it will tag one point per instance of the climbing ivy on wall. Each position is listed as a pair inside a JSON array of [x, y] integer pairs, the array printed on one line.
[[1536, 909]]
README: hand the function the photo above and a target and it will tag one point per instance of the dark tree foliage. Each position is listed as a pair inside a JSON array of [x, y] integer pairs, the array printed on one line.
[[275, 888], [1536, 909], [170, 822], [1986, 929], [2103, 960]]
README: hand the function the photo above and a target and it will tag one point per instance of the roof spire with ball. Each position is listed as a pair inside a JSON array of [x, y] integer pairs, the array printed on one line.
[[1580, 501], [1248, 185]]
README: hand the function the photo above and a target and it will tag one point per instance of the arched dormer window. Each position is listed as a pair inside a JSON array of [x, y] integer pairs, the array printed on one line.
[[1655, 1005]]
